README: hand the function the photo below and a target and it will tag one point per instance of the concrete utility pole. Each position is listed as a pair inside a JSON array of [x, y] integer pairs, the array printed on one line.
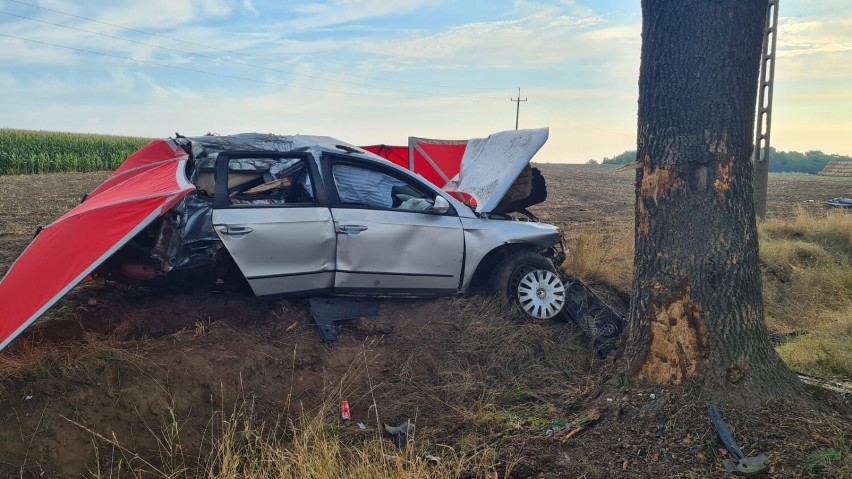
[[518, 109], [764, 110]]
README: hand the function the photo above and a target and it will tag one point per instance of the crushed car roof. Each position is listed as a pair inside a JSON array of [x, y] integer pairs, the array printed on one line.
[[207, 147]]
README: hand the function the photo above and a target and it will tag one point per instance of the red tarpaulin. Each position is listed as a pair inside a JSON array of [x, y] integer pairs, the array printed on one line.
[[146, 185], [397, 155], [437, 161]]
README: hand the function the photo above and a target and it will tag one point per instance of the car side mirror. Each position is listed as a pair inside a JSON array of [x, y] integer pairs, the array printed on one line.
[[441, 205]]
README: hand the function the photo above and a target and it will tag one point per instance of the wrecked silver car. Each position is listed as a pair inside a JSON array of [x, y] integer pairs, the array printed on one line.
[[306, 215]]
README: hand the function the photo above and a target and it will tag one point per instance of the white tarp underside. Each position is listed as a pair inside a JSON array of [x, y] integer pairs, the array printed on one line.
[[490, 165]]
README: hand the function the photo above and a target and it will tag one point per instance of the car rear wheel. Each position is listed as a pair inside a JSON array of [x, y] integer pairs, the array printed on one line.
[[528, 280]]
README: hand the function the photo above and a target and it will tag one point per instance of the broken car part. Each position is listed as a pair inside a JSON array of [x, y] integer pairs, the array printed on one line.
[[400, 433], [592, 315], [742, 465], [839, 202], [326, 311]]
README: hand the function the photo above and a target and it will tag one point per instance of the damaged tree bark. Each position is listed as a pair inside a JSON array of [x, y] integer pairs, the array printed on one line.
[[697, 310]]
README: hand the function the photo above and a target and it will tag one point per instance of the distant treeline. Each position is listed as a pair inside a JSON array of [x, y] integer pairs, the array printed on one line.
[[811, 162], [27, 152]]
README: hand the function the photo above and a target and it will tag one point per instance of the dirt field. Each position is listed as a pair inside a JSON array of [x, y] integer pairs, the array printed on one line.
[[122, 365]]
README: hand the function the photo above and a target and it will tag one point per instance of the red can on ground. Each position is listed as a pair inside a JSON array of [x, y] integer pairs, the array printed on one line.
[[344, 411]]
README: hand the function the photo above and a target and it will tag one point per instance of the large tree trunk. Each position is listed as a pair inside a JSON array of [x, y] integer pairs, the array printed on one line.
[[697, 310]]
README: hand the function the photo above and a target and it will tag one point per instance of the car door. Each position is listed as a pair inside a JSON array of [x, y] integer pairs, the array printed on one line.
[[273, 218], [388, 239]]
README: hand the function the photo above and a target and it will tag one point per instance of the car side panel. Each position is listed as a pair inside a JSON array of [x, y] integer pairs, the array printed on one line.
[[288, 251], [398, 251], [485, 235]]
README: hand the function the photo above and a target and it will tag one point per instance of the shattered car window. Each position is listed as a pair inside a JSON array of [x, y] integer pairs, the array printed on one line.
[[367, 187], [269, 181]]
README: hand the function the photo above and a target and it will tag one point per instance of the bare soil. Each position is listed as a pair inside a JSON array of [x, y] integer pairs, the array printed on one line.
[[113, 364]]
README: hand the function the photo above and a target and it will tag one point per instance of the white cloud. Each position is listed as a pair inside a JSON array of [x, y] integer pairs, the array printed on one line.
[[628, 33], [249, 7], [335, 12], [13, 50], [7, 81], [812, 49], [813, 36], [159, 14], [528, 42]]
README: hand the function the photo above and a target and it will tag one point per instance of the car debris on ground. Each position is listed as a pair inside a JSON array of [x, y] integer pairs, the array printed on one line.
[[740, 465], [400, 433]]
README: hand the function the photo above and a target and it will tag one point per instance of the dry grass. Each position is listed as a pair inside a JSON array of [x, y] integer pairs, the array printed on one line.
[[499, 373], [833, 230], [314, 445], [503, 369], [602, 254], [808, 289], [46, 361]]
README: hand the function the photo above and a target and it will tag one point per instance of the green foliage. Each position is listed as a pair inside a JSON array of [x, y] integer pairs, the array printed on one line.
[[31, 152], [811, 162], [820, 458], [621, 159]]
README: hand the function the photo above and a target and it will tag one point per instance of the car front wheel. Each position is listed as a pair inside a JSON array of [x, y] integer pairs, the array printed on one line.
[[529, 280]]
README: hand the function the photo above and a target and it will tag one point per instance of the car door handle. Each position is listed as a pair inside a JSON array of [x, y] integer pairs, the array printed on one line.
[[351, 229], [236, 230]]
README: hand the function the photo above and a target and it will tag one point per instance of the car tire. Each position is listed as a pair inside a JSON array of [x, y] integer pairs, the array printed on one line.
[[529, 281]]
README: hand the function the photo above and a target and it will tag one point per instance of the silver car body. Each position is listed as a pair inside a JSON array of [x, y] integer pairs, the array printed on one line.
[[362, 225]]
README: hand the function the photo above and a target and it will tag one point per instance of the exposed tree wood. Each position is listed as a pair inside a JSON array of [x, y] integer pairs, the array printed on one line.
[[696, 310]]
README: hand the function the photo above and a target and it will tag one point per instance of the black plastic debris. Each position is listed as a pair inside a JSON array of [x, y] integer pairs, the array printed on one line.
[[327, 311], [592, 315], [744, 466]]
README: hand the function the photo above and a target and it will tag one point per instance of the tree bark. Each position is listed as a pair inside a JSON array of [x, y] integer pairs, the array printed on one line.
[[697, 309]]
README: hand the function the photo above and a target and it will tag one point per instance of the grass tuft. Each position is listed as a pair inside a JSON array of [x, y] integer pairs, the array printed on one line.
[[603, 254]]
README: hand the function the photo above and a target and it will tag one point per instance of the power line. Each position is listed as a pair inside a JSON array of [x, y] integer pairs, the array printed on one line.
[[209, 47], [201, 55]]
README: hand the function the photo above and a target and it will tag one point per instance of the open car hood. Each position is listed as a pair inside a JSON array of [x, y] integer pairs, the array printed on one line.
[[490, 165]]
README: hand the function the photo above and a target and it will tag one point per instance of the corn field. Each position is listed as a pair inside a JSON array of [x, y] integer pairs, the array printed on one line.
[[31, 152]]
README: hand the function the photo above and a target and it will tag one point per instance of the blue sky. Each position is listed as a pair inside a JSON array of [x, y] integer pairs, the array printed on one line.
[[378, 71]]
